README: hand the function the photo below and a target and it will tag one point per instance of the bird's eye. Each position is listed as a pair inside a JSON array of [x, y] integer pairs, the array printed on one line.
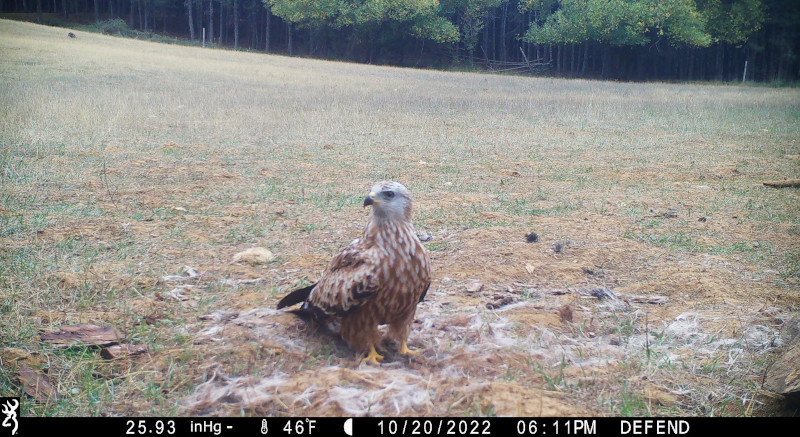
[[389, 194]]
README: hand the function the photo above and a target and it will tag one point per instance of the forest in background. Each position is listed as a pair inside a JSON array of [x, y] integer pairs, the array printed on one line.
[[639, 40]]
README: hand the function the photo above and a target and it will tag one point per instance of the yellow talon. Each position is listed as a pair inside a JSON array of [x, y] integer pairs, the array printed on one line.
[[404, 350], [373, 357]]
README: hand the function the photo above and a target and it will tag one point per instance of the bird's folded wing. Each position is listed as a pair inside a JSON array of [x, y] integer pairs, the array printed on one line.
[[348, 282]]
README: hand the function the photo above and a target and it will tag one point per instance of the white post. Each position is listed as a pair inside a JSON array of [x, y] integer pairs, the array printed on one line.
[[204, 37], [744, 75]]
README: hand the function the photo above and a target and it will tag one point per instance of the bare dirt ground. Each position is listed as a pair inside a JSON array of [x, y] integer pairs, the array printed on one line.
[[660, 276]]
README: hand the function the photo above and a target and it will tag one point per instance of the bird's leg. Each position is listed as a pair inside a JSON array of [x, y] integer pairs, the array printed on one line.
[[373, 357], [404, 350]]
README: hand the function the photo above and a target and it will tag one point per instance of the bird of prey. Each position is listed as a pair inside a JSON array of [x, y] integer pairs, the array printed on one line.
[[378, 279]]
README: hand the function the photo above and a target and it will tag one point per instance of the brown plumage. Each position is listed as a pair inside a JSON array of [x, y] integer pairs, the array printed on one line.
[[378, 279]]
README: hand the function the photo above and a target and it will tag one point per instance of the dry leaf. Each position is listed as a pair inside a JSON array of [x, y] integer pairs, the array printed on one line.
[[119, 351], [660, 395], [238, 282], [499, 301], [565, 313], [36, 385], [12, 356], [174, 278], [649, 299], [530, 268], [178, 293], [187, 273]]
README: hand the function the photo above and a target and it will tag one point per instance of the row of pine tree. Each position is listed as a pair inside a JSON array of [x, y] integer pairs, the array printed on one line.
[[723, 40]]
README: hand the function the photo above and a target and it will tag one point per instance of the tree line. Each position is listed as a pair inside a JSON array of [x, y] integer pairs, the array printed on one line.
[[609, 39]]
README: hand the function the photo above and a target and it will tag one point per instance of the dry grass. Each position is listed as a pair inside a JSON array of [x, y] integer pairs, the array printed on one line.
[[122, 161]]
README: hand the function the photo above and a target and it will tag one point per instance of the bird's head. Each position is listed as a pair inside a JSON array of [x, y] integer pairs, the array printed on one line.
[[389, 200]]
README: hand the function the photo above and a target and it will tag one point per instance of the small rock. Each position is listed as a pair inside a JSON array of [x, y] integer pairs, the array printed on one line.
[[474, 287], [532, 237], [254, 256], [424, 236]]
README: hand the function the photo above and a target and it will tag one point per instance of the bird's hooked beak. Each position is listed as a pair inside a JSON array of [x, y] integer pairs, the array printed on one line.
[[370, 200]]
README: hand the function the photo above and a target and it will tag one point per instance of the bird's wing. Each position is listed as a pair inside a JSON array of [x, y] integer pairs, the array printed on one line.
[[349, 281]]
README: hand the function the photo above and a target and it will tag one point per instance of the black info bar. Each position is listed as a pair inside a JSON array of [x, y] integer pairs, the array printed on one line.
[[391, 426]]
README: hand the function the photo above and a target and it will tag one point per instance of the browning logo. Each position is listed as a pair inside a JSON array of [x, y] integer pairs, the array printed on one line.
[[9, 407]]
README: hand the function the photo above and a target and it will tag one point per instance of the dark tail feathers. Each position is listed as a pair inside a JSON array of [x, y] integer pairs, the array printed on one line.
[[295, 297]]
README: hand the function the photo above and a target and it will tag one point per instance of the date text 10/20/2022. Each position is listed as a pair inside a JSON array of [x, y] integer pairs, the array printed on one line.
[[484, 427]]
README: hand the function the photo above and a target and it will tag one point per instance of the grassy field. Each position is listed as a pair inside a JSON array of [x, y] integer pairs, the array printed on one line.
[[124, 161]]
